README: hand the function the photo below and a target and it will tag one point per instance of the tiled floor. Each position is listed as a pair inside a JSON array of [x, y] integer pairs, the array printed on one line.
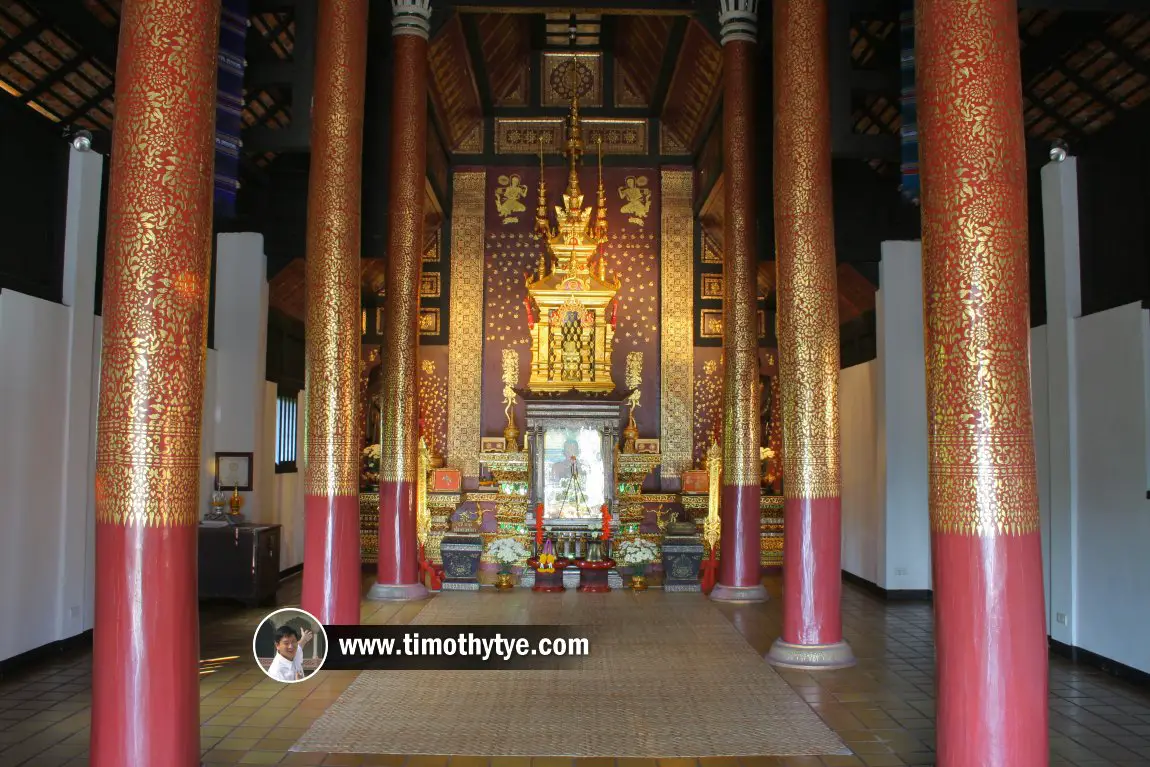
[[883, 708]]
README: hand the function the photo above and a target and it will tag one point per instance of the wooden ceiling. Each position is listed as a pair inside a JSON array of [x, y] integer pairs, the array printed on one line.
[[1081, 72]]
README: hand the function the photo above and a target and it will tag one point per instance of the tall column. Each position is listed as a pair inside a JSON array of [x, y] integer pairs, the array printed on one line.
[[1063, 308], [808, 330], [989, 616], [739, 573], [145, 694], [398, 577], [331, 485]]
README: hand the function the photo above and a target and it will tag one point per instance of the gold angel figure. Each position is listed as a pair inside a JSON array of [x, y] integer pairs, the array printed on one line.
[[665, 517], [634, 381], [636, 199], [510, 377], [508, 198]]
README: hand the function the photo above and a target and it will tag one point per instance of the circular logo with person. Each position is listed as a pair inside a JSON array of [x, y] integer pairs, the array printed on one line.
[[290, 645]]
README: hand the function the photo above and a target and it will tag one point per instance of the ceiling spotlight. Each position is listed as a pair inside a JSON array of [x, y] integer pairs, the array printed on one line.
[[1058, 150], [82, 141]]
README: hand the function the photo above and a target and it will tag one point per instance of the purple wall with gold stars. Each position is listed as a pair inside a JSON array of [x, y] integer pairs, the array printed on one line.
[[511, 251]]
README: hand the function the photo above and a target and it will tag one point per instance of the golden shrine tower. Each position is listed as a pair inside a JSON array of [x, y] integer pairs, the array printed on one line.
[[571, 302]]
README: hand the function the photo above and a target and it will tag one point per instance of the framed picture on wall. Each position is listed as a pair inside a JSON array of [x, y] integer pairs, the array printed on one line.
[[234, 471]]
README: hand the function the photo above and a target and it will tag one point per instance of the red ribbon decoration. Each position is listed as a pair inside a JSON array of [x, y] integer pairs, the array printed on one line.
[[606, 523], [539, 525]]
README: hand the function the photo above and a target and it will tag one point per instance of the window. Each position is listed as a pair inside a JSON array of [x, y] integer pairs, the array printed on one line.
[[286, 409]]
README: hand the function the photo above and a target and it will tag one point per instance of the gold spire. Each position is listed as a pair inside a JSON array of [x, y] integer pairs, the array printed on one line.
[[541, 225], [575, 240], [601, 215], [574, 138]]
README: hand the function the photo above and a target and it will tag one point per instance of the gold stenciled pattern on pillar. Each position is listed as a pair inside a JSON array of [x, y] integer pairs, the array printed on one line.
[[465, 347], [741, 464], [333, 269], [400, 440], [433, 405], [159, 225], [804, 230], [676, 344], [982, 468]]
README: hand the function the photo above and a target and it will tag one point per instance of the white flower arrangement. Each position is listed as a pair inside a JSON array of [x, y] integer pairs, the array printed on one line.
[[507, 551], [637, 552]]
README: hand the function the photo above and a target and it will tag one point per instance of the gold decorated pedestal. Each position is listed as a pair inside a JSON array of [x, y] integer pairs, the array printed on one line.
[[441, 506], [631, 469], [510, 471]]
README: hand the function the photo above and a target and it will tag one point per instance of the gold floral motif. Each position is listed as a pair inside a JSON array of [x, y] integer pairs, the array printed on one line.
[[333, 232], [433, 406], [472, 141], [712, 286], [158, 256], [404, 321], [558, 78], [669, 143], [712, 251], [676, 341], [465, 347], [429, 286], [808, 324], [429, 321], [711, 323], [431, 248], [521, 135], [708, 391], [975, 283], [741, 426]]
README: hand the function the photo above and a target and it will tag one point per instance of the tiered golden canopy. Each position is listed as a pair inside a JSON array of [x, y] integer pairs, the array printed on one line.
[[572, 304]]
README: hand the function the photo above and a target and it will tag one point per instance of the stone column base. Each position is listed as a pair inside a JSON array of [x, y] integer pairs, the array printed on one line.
[[815, 657], [756, 593], [396, 592]]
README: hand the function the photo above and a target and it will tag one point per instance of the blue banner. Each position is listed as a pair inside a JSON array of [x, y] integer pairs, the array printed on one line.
[[230, 104], [910, 186]]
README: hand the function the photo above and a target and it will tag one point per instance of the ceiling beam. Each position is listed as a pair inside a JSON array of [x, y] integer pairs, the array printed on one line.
[[77, 22], [1096, 6], [667, 67], [661, 7], [478, 62]]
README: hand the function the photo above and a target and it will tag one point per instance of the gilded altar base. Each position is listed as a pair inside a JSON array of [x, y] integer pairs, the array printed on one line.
[[511, 512]]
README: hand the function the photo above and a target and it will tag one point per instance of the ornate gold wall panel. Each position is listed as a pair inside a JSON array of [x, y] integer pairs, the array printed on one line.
[[465, 349], [676, 333], [557, 78], [520, 135]]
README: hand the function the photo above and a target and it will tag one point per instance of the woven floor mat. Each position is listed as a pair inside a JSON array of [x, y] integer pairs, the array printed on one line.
[[668, 676]]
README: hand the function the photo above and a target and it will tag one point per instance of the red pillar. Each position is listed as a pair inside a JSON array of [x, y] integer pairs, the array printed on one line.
[[398, 577], [990, 630], [145, 691], [808, 342], [740, 577], [331, 574]]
